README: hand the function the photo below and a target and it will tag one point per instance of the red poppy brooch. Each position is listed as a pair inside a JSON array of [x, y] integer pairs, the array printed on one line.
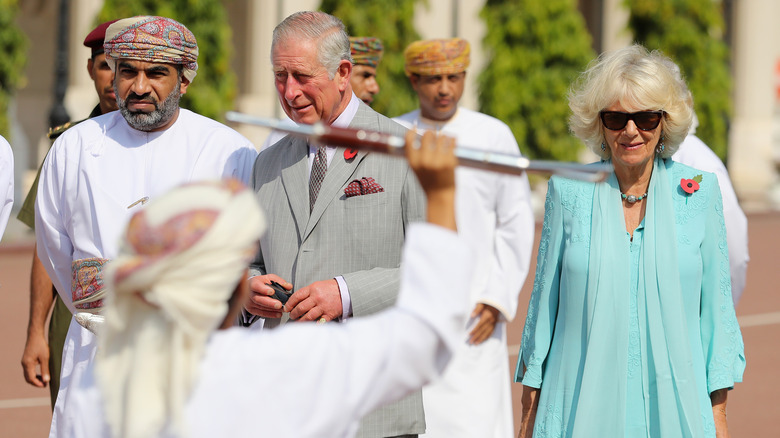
[[350, 154], [690, 185]]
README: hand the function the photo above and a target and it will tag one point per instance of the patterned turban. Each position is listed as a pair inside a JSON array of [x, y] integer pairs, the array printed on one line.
[[366, 50], [437, 57], [152, 39], [178, 264]]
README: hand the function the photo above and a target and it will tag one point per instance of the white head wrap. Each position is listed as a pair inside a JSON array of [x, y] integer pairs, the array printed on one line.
[[167, 291]]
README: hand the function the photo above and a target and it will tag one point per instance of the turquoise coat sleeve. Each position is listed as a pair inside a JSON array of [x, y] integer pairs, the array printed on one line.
[[543, 304], [720, 334]]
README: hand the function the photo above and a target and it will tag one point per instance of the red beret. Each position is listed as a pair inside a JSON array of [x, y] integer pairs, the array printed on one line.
[[95, 38]]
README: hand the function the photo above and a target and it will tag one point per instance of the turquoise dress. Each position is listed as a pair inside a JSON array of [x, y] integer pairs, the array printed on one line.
[[628, 337]]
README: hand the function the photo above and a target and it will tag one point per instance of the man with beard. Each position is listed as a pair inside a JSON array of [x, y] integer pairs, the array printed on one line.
[[37, 352], [103, 170]]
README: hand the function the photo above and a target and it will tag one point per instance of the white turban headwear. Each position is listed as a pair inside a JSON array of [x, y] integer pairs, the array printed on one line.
[[167, 291]]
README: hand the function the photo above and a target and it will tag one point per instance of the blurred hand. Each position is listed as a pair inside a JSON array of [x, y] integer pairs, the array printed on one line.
[[433, 160], [319, 301], [260, 301], [487, 318]]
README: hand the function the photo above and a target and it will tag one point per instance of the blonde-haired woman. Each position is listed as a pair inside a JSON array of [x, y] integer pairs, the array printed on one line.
[[631, 330]]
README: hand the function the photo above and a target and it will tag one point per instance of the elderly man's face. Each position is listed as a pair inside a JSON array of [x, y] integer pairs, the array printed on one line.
[[103, 77], [364, 83], [148, 93], [306, 93], [439, 94]]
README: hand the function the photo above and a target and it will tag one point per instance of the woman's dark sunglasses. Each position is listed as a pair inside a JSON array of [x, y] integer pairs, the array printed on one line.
[[644, 120]]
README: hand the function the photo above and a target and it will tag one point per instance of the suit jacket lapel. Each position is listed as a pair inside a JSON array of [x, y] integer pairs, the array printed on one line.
[[295, 179], [339, 173]]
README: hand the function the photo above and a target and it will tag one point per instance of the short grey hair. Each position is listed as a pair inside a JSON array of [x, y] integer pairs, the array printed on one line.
[[639, 80], [329, 32]]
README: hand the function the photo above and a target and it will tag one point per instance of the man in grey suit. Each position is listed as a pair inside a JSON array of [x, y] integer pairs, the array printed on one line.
[[336, 217]]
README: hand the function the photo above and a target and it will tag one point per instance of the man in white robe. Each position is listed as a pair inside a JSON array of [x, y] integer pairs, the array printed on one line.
[[101, 171], [164, 370], [473, 398], [42, 355], [6, 184]]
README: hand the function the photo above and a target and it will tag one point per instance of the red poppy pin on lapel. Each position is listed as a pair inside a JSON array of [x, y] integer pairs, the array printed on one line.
[[350, 154], [690, 185]]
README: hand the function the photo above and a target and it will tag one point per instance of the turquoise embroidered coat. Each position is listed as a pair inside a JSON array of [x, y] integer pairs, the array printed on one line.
[[627, 337]]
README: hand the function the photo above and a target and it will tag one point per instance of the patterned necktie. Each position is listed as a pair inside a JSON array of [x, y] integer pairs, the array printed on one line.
[[318, 169]]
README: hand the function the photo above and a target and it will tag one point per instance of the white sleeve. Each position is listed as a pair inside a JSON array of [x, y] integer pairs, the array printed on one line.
[[55, 248], [397, 352], [6, 184]]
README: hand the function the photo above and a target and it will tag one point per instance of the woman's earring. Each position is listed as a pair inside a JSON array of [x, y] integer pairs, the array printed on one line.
[[660, 148], [603, 146]]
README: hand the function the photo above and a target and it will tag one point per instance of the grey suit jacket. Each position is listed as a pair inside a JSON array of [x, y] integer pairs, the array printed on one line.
[[359, 238]]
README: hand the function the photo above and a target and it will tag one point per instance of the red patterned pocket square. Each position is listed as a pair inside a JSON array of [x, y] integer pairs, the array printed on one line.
[[363, 186]]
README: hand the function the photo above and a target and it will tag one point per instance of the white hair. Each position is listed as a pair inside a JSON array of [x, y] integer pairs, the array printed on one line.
[[329, 32], [639, 80]]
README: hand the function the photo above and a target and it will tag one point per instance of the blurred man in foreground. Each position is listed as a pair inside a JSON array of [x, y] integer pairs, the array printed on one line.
[[164, 368]]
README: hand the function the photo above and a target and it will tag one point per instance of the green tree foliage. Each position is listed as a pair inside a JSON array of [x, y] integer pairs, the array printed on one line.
[[214, 88], [691, 33], [13, 48], [392, 22], [535, 50]]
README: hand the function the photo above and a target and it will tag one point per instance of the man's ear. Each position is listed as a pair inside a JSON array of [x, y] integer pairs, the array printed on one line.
[[184, 84], [90, 65], [414, 80], [343, 74]]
